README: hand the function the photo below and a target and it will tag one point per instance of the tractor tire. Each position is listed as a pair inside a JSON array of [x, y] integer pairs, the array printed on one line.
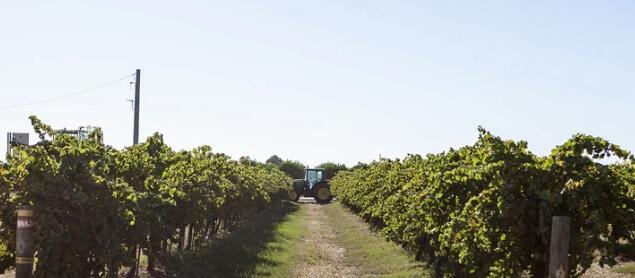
[[293, 196], [322, 193]]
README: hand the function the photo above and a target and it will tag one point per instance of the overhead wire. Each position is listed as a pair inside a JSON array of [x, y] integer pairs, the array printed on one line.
[[67, 95]]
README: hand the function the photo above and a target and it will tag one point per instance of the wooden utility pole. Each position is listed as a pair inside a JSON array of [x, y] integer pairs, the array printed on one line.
[[559, 251], [137, 89], [24, 245]]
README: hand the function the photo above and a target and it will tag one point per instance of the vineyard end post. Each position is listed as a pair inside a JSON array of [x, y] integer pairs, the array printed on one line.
[[559, 250], [24, 244]]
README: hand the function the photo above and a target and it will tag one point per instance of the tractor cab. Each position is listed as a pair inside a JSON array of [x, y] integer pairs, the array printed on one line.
[[313, 185], [313, 177]]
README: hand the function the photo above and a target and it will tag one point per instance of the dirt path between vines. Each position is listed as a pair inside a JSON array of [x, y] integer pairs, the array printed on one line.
[[322, 256]]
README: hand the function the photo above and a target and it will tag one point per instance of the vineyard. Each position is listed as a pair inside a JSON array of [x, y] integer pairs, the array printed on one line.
[[97, 209], [485, 210]]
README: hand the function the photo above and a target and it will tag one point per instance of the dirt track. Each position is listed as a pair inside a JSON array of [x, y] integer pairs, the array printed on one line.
[[321, 253]]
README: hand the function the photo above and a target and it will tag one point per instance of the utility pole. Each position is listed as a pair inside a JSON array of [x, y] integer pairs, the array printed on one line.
[[135, 140], [137, 89]]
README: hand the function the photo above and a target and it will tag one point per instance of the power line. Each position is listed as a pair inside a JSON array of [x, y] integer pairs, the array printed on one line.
[[65, 96], [12, 115]]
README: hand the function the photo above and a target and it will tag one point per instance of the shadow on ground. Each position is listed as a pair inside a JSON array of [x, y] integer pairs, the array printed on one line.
[[238, 254], [310, 200]]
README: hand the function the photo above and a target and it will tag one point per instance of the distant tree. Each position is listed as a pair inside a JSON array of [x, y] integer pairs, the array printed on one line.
[[295, 169], [331, 168], [248, 161], [359, 165], [274, 159]]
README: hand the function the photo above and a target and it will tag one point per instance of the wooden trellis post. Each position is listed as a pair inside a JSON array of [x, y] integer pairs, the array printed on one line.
[[559, 251], [24, 245]]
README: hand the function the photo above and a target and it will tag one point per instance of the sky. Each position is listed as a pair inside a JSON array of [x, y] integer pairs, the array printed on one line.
[[316, 81]]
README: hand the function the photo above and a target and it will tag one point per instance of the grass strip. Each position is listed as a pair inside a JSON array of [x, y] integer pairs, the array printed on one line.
[[368, 251], [627, 268], [262, 247]]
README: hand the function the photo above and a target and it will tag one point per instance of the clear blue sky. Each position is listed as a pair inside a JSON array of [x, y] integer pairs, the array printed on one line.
[[342, 81]]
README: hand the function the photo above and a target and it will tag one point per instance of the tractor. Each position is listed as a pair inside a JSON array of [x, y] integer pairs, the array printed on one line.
[[313, 185]]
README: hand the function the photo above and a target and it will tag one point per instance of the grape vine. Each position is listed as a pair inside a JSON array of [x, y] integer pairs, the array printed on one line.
[[485, 210], [97, 207]]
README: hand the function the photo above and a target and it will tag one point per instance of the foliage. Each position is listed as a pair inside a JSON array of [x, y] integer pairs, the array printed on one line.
[[96, 207], [485, 210], [294, 169], [7, 218], [275, 160], [331, 169]]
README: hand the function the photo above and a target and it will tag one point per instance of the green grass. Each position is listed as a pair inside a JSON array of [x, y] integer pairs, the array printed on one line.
[[271, 245], [368, 251], [263, 247], [627, 268], [284, 246]]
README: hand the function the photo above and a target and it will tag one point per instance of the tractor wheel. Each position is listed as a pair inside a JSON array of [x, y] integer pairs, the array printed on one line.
[[322, 194], [293, 196]]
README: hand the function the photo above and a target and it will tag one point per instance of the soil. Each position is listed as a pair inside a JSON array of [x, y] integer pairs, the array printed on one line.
[[322, 255]]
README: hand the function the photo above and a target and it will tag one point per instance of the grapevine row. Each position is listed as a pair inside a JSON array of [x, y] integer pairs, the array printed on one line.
[[485, 210], [97, 207]]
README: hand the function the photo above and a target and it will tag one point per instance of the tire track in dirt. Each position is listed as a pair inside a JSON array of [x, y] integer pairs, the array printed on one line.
[[322, 256]]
